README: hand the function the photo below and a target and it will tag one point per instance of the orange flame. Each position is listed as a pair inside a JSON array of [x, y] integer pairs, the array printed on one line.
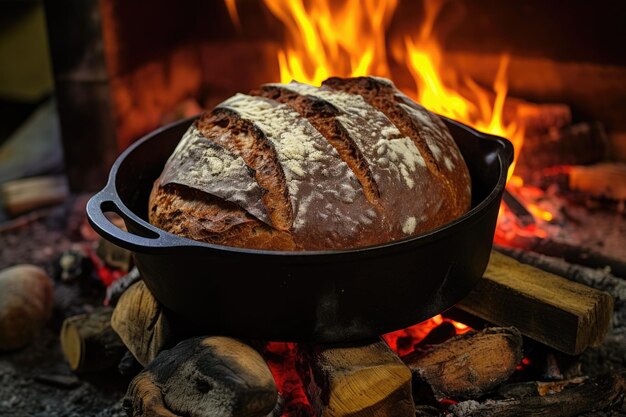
[[348, 38], [231, 6], [413, 335], [322, 41], [424, 60]]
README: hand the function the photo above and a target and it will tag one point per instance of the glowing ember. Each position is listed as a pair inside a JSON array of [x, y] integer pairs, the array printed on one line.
[[281, 358]]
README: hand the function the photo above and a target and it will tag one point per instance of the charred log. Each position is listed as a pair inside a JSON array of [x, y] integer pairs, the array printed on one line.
[[470, 365], [568, 400], [204, 377], [578, 144]]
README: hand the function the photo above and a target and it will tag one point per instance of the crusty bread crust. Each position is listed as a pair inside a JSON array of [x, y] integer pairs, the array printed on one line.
[[351, 164]]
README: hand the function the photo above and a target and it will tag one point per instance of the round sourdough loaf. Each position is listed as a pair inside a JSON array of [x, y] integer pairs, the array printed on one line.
[[294, 167]]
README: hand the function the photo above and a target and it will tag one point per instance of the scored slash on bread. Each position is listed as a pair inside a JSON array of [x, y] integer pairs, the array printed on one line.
[[296, 167]]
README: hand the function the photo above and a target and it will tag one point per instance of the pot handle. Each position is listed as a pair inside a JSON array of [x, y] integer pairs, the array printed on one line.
[[150, 240]]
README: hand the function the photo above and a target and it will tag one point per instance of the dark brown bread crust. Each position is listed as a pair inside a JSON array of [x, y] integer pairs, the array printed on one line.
[[382, 94], [317, 170], [323, 116]]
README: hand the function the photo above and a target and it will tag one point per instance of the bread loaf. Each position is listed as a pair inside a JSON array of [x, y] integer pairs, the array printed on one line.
[[294, 167]]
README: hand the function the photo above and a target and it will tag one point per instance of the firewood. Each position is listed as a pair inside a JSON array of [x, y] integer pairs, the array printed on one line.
[[470, 365], [576, 253], [358, 380], [119, 286], [601, 180], [203, 376], [140, 322], [596, 394], [89, 343], [23, 195], [578, 144], [545, 307], [26, 298], [538, 119]]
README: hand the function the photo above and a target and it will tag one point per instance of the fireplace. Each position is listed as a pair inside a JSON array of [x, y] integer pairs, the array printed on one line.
[[543, 332]]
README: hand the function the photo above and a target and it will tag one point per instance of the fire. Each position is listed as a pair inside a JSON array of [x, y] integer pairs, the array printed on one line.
[[349, 38], [404, 341], [325, 40]]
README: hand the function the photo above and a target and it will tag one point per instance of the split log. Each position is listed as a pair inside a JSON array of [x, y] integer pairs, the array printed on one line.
[[89, 343], [203, 377], [26, 194], [596, 394], [545, 307], [470, 365], [606, 180], [142, 325], [359, 380], [26, 298]]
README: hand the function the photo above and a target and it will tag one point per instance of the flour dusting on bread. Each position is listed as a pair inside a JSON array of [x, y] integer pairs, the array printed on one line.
[[353, 163]]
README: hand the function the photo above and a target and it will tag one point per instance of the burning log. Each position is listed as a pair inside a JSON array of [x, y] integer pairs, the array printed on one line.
[[203, 376], [522, 214], [565, 400], [550, 309], [538, 119], [357, 380], [578, 144], [23, 195], [89, 343], [26, 297], [606, 180], [140, 322], [470, 365]]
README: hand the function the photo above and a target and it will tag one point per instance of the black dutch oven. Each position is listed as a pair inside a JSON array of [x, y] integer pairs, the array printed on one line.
[[322, 296]]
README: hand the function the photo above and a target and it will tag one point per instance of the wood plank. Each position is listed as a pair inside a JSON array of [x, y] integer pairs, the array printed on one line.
[[560, 313], [365, 379], [470, 365], [204, 377]]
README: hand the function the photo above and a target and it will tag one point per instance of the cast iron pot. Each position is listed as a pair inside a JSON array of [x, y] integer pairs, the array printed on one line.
[[322, 296]]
